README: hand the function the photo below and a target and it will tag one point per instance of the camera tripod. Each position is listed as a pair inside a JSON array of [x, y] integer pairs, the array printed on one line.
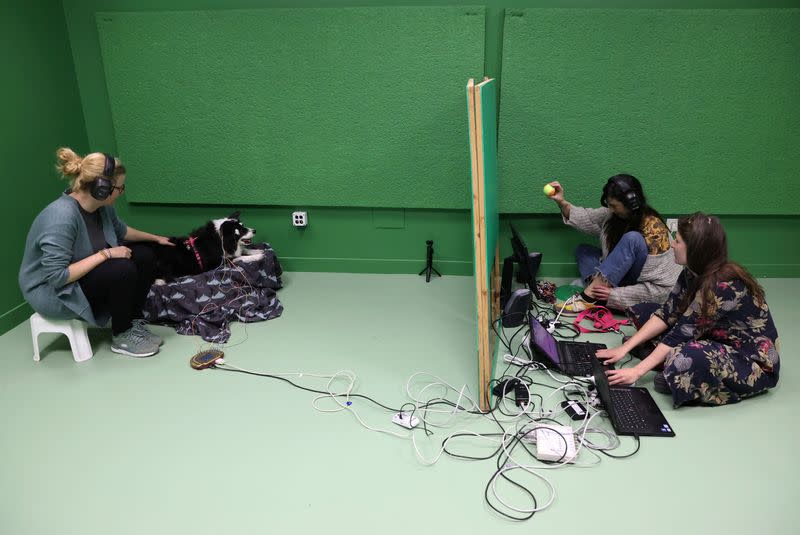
[[429, 269]]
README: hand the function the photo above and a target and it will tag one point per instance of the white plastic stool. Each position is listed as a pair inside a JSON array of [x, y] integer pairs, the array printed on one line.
[[74, 329]]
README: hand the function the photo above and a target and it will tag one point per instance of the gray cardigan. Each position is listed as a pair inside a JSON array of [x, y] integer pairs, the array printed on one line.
[[58, 237], [658, 276]]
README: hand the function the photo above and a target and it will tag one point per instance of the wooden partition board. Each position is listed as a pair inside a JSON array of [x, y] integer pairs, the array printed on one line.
[[482, 111]]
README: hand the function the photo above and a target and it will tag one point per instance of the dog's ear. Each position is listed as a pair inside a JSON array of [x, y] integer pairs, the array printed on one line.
[[229, 240], [234, 215]]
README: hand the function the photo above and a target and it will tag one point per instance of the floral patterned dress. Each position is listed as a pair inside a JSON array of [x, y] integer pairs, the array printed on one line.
[[724, 358]]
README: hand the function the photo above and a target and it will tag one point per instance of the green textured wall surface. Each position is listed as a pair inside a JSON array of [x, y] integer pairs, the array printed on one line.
[[703, 105], [40, 110], [330, 107]]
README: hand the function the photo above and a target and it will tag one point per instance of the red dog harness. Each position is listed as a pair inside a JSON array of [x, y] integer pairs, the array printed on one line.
[[190, 245], [603, 319]]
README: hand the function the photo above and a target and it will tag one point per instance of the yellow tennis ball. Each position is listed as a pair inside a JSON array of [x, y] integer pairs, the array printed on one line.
[[549, 190]]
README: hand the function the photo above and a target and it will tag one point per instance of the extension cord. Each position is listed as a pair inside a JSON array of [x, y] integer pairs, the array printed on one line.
[[550, 446], [526, 345], [517, 361], [404, 419]]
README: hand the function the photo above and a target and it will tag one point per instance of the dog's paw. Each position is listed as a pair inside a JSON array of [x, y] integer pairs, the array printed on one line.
[[254, 256], [159, 282]]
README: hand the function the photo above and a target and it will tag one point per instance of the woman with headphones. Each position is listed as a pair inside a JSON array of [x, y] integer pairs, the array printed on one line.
[[635, 263], [74, 265]]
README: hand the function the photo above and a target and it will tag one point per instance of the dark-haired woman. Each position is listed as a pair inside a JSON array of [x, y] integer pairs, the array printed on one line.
[[635, 263], [719, 342]]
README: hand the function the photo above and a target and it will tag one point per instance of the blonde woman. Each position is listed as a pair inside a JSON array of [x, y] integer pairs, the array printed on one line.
[[75, 265]]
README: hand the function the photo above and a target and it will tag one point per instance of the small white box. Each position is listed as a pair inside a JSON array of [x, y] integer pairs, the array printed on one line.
[[555, 443], [404, 419], [299, 219], [672, 227]]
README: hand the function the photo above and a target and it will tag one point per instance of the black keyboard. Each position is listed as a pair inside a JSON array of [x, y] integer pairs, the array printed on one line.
[[626, 412], [582, 367], [578, 352], [578, 358]]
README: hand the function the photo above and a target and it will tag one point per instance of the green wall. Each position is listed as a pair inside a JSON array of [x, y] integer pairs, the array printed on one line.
[[322, 107], [362, 239], [686, 100], [40, 110]]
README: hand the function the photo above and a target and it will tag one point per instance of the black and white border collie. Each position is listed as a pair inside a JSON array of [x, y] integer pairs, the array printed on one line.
[[206, 248]]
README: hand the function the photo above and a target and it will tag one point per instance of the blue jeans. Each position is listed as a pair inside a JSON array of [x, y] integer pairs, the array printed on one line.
[[621, 267]]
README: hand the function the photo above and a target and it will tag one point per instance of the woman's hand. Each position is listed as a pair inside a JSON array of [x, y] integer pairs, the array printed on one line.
[[610, 356], [600, 292], [624, 376], [558, 196], [119, 252], [161, 240]]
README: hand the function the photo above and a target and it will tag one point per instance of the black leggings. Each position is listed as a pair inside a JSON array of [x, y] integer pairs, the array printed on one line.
[[119, 286]]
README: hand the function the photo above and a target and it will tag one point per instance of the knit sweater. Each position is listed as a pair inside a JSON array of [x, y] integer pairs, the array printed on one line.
[[659, 272], [58, 237]]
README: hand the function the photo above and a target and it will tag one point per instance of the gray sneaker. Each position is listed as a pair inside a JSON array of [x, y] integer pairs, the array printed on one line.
[[133, 344], [140, 326]]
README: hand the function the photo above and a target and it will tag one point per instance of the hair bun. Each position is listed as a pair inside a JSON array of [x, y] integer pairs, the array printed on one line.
[[70, 164]]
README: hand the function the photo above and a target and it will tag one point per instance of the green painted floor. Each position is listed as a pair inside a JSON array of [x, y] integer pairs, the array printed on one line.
[[126, 446]]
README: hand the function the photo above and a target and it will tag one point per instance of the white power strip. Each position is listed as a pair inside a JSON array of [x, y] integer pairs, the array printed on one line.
[[555, 443], [518, 361], [404, 419]]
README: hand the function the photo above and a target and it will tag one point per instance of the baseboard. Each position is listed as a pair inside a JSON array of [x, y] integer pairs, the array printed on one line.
[[777, 271], [464, 268], [373, 265], [14, 317], [21, 312], [774, 271]]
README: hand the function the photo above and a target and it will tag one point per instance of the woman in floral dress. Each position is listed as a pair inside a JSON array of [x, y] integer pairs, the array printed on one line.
[[714, 335]]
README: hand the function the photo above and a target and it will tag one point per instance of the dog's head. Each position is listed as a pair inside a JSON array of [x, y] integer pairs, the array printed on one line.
[[235, 236]]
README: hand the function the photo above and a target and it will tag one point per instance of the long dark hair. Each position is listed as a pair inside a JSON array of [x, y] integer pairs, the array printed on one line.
[[628, 190], [707, 258]]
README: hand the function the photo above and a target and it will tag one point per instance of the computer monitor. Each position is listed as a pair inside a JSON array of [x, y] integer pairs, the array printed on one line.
[[526, 272]]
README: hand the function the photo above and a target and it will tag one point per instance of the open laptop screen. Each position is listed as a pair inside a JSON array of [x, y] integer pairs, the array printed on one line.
[[544, 341]]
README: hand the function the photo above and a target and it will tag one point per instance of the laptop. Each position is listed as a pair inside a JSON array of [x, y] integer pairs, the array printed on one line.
[[632, 410], [571, 358]]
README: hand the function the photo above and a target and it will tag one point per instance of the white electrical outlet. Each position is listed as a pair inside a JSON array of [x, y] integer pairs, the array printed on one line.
[[672, 226], [299, 219]]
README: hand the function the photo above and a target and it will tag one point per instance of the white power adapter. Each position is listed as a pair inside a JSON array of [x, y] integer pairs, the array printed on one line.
[[518, 361], [555, 443], [404, 419]]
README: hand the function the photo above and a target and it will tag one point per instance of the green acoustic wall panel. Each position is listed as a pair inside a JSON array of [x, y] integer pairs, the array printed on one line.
[[336, 107], [40, 110], [703, 105]]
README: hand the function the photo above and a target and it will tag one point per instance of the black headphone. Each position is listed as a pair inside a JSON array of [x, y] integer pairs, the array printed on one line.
[[103, 185], [630, 198]]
